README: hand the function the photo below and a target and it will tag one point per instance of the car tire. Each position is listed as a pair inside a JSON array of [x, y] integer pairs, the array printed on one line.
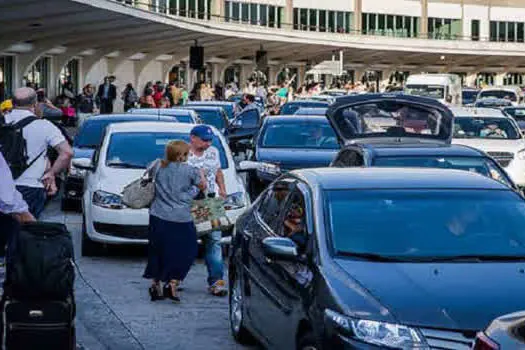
[[309, 342], [89, 247], [236, 312]]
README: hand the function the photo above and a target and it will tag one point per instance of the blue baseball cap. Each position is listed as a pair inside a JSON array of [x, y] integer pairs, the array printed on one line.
[[203, 132]]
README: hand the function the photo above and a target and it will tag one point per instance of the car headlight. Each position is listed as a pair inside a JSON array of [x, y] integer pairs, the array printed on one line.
[[268, 168], [235, 201], [383, 334], [107, 200], [76, 172], [521, 154]]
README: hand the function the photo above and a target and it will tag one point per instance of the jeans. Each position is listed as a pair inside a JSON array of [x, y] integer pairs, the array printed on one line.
[[213, 256], [35, 198]]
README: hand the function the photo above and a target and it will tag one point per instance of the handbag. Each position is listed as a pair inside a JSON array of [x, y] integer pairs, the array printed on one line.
[[140, 193], [209, 215]]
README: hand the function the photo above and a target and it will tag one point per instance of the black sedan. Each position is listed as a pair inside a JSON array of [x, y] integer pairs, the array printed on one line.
[[86, 142], [376, 258], [286, 143], [505, 332]]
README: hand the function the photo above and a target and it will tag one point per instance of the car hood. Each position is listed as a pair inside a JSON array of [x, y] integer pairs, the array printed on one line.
[[290, 159], [83, 152], [459, 296], [492, 145], [114, 180]]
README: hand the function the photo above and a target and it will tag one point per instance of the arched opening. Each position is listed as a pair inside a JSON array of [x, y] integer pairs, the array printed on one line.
[[38, 74], [67, 83], [372, 80], [485, 79], [232, 74], [6, 77], [177, 74]]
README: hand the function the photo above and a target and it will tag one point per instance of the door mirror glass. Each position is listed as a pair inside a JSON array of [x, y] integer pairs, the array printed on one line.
[[83, 164], [280, 248]]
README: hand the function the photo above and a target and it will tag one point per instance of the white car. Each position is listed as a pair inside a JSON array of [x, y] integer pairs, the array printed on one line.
[[126, 150], [512, 93], [495, 133]]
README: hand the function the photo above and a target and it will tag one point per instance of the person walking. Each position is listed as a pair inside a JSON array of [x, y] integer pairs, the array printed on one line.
[[204, 156], [107, 93], [130, 97], [86, 105], [36, 182], [172, 234]]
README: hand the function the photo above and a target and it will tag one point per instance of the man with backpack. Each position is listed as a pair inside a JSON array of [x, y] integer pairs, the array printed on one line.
[[25, 140]]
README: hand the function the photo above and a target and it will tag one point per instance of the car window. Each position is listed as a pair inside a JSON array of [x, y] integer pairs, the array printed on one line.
[[212, 117], [90, 134], [249, 119], [300, 134], [293, 222], [432, 91], [480, 165], [490, 103], [419, 224], [272, 205], [485, 128], [290, 108], [507, 95], [139, 149], [516, 113]]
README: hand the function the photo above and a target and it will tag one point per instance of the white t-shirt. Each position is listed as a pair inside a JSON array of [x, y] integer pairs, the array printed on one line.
[[38, 135], [209, 161]]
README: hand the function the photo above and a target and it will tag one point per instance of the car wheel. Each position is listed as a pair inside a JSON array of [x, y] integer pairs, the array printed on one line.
[[89, 248], [236, 307], [308, 342]]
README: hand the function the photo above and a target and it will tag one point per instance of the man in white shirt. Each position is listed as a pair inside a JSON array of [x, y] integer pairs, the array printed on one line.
[[36, 182]]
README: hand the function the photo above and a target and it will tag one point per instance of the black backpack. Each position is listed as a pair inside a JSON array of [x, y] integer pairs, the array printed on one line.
[[39, 263], [14, 147]]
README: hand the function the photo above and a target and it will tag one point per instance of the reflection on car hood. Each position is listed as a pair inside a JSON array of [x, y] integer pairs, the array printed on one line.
[[459, 296], [83, 152], [290, 159]]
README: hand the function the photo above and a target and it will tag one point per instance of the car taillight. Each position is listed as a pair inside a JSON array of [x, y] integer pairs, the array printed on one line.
[[485, 343]]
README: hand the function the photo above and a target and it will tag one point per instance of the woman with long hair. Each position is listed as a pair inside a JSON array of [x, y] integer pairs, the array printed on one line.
[[172, 233]]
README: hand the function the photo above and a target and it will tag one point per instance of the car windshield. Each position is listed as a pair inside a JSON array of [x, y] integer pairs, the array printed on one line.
[[503, 94], [180, 116], [516, 113], [310, 111], [480, 165], [433, 91], [139, 149], [419, 224], [488, 103], [469, 96], [291, 108], [228, 108], [90, 134], [299, 135], [485, 128], [212, 117]]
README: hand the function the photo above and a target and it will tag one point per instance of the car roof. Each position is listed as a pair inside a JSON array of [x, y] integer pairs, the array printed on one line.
[[104, 117], [151, 127], [291, 119], [319, 101], [211, 103], [396, 178], [461, 112], [407, 150], [202, 108]]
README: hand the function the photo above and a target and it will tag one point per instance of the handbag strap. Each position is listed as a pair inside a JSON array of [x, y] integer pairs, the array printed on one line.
[[151, 172]]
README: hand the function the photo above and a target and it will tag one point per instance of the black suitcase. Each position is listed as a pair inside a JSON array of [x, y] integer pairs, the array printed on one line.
[[39, 325]]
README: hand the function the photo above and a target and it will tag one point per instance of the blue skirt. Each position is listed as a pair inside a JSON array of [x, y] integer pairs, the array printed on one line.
[[172, 249]]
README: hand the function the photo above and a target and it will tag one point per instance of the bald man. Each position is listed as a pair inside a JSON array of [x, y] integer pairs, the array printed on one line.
[[36, 182]]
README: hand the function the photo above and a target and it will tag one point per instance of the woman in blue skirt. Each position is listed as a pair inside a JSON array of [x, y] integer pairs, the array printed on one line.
[[172, 234]]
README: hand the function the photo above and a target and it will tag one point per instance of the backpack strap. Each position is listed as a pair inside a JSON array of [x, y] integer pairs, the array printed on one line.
[[25, 122]]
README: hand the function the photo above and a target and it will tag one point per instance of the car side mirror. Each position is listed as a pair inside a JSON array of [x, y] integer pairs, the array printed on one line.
[[247, 165], [280, 248], [83, 164]]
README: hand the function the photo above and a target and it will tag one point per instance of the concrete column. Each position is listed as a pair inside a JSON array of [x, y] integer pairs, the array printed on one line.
[[471, 79], [216, 73], [288, 15], [145, 4], [498, 80], [217, 10], [423, 23], [301, 72], [358, 10], [272, 75]]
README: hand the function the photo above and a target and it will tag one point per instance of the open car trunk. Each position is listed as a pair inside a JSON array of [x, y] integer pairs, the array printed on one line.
[[390, 118]]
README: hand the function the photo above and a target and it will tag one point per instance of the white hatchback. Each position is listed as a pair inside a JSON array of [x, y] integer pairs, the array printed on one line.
[[126, 150], [495, 133]]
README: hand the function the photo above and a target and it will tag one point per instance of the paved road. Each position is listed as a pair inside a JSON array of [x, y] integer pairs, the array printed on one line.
[[114, 311]]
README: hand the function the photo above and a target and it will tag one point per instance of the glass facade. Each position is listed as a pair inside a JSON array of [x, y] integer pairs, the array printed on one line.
[[444, 28], [507, 31], [316, 20], [253, 13], [6, 77], [200, 9], [389, 25]]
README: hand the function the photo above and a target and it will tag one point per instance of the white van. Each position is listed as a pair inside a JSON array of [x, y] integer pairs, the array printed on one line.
[[444, 87], [512, 93]]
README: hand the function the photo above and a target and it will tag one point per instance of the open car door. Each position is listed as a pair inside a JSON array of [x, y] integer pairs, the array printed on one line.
[[390, 118]]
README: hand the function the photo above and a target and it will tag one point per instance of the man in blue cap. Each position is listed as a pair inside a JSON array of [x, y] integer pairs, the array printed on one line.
[[204, 156]]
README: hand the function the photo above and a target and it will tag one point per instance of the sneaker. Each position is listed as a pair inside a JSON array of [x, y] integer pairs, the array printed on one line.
[[218, 289]]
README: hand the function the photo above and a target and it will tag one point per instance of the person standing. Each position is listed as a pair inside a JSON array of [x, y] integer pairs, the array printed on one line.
[[147, 101], [86, 105], [204, 156], [130, 97], [176, 94], [36, 182], [107, 93], [172, 233]]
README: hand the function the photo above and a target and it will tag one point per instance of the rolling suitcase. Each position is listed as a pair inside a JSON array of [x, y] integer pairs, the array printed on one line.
[[39, 325]]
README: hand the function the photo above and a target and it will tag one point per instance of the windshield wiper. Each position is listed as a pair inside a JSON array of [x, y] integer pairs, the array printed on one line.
[[373, 257], [126, 165], [473, 257]]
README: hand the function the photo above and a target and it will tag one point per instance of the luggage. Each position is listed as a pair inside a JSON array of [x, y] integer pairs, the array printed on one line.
[[14, 148], [39, 264], [39, 325]]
